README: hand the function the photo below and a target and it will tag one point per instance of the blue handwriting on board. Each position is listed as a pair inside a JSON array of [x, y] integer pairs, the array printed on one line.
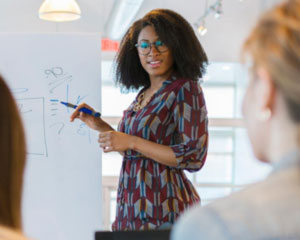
[[19, 90], [23, 110], [59, 125], [79, 99], [57, 77], [54, 107], [32, 110]]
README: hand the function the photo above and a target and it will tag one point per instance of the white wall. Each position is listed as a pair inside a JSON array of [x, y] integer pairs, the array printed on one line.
[[222, 41], [22, 16]]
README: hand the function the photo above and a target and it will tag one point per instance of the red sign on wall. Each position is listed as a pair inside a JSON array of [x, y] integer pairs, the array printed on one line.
[[109, 45]]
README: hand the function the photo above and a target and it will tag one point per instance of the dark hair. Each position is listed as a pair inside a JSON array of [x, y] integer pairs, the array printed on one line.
[[12, 160], [189, 57]]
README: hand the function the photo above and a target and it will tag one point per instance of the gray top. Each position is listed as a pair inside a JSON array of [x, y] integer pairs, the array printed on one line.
[[266, 210]]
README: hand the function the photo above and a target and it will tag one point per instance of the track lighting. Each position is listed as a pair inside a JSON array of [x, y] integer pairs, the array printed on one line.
[[218, 10], [215, 8], [202, 30]]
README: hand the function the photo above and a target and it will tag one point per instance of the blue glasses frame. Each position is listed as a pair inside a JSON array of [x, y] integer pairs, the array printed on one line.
[[148, 45]]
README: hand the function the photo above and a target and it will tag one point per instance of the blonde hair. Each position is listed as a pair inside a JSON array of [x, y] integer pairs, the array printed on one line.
[[275, 45], [12, 159]]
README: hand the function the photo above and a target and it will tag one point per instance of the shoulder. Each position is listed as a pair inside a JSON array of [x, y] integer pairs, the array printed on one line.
[[177, 84], [223, 215], [254, 211], [266, 200], [196, 223]]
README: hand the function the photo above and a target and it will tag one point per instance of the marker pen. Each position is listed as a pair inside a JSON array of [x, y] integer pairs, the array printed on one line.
[[84, 110]]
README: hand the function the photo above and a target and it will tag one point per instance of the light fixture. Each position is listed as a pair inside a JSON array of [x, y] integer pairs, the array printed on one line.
[[202, 30], [59, 10], [216, 8]]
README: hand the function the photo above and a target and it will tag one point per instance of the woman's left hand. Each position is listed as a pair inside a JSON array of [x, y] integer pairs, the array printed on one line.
[[115, 141]]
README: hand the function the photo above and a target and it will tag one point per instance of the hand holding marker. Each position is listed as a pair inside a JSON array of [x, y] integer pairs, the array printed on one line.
[[84, 110]]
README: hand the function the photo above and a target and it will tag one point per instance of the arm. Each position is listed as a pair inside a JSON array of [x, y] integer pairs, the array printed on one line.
[[118, 141], [191, 118], [158, 152], [93, 122]]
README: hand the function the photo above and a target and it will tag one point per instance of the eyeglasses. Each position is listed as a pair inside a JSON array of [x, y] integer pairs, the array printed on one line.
[[144, 47]]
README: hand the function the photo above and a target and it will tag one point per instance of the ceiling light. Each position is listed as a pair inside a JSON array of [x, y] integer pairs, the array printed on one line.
[[215, 8], [202, 30], [217, 15], [59, 10], [218, 9]]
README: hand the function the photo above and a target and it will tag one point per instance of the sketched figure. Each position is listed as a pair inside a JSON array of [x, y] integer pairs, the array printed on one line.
[[61, 126]]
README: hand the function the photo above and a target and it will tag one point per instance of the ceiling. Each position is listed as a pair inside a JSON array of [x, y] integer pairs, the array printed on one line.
[[222, 41]]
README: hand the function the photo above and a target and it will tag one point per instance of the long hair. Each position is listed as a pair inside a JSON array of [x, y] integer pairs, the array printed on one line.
[[275, 44], [189, 57], [12, 159]]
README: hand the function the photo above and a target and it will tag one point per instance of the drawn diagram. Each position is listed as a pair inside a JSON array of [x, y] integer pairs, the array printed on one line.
[[33, 114], [57, 77], [57, 80]]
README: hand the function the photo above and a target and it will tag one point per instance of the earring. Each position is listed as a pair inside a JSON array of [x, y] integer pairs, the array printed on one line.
[[265, 115]]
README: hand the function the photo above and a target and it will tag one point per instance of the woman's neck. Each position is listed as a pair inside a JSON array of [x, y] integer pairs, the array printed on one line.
[[285, 138], [155, 85], [156, 81]]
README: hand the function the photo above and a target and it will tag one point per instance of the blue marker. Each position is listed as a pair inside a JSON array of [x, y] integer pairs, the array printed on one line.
[[84, 110]]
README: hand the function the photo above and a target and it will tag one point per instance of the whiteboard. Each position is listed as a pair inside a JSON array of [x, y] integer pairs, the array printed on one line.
[[62, 192]]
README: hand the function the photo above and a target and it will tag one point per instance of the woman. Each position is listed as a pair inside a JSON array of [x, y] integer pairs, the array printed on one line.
[[164, 130], [270, 209], [12, 163]]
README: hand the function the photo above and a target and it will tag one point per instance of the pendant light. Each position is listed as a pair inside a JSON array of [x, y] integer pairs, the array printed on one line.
[[59, 10]]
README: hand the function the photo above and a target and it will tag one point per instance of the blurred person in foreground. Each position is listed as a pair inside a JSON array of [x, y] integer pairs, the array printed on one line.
[[269, 209], [12, 164]]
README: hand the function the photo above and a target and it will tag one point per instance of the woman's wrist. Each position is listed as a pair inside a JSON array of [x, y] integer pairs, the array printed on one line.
[[99, 124], [132, 143], [103, 126]]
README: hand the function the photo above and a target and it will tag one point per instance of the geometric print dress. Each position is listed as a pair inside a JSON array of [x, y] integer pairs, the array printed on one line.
[[151, 194]]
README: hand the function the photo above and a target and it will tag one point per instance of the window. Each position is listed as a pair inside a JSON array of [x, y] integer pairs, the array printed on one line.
[[230, 164]]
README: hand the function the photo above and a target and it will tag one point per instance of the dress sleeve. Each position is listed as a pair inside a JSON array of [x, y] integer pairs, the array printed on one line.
[[190, 117]]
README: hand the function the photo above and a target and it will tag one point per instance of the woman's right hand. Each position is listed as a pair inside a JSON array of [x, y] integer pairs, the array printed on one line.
[[89, 120]]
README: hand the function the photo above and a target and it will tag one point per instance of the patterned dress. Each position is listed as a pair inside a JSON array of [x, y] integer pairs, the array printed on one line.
[[151, 194]]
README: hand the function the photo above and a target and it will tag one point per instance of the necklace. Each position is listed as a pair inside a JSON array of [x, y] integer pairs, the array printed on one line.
[[141, 99]]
